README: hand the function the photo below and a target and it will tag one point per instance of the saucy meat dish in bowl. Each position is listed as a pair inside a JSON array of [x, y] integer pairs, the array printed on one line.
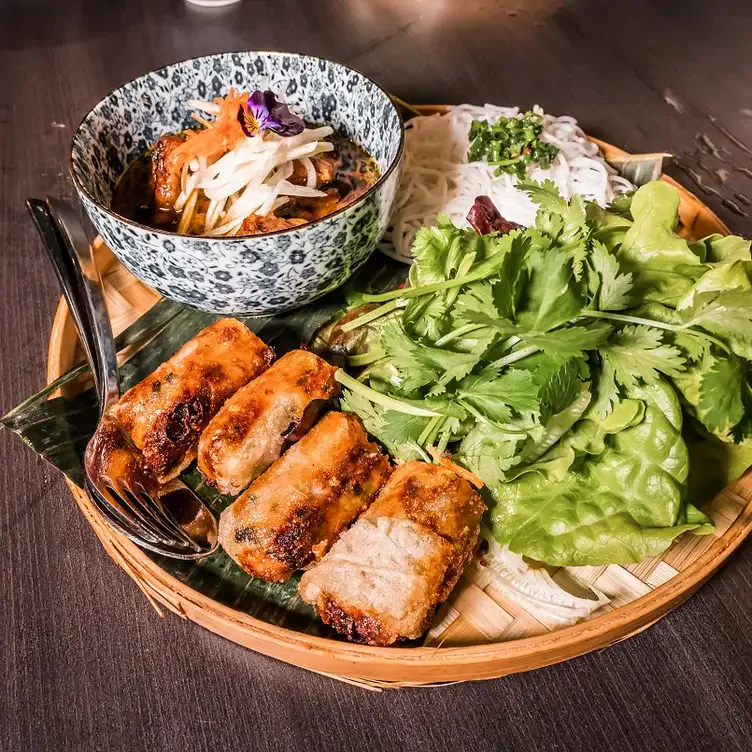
[[246, 183], [245, 171]]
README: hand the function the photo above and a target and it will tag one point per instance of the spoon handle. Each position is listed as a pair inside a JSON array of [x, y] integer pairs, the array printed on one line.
[[69, 277], [71, 254]]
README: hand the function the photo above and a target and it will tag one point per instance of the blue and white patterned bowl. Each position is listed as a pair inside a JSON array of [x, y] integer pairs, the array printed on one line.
[[255, 275]]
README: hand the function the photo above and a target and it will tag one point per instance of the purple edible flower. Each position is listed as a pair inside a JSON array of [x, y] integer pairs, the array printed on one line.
[[484, 217], [263, 112]]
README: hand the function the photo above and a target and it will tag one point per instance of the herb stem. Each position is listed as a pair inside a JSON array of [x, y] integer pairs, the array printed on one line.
[[460, 331], [390, 403], [417, 292], [366, 358], [428, 430], [629, 319], [443, 441], [419, 449], [510, 342], [686, 328], [514, 357], [462, 269], [483, 419], [376, 313]]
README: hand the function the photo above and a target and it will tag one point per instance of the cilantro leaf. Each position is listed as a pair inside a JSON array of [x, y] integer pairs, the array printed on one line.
[[637, 352], [727, 314], [557, 379], [508, 286], [570, 340], [622, 205], [495, 395], [721, 403], [546, 195], [553, 296], [743, 429], [476, 299], [420, 365], [396, 431], [503, 326], [399, 428], [606, 390], [609, 287], [693, 343], [498, 297], [565, 222]]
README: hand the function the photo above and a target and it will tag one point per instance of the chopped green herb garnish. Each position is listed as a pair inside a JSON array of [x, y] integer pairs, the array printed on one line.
[[512, 144]]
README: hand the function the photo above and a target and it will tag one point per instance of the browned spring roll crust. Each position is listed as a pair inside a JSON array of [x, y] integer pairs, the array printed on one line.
[[165, 413], [249, 432], [384, 577], [296, 509]]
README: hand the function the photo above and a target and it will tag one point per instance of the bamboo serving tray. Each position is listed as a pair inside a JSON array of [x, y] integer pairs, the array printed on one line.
[[479, 633]]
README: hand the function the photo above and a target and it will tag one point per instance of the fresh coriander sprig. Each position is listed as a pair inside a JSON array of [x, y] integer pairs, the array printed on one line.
[[390, 403]]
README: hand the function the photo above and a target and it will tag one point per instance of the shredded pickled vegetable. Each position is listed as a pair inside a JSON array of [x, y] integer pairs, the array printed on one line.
[[443, 459], [240, 175]]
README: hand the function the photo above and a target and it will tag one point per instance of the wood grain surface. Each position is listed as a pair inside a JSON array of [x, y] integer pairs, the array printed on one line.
[[85, 663]]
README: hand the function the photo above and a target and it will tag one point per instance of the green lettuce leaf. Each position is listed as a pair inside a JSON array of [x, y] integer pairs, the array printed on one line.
[[619, 506], [723, 248], [663, 265], [651, 240], [489, 452]]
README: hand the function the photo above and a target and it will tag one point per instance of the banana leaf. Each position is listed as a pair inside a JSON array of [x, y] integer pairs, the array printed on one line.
[[639, 168], [58, 429]]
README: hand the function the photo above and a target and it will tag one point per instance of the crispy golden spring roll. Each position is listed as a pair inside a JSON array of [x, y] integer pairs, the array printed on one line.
[[165, 413], [250, 431], [384, 577], [292, 514]]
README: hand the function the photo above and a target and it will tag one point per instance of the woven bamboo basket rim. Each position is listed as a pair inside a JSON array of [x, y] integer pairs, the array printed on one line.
[[378, 668]]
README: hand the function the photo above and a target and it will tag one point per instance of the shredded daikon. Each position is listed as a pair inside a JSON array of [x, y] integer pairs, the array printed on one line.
[[251, 178], [436, 174]]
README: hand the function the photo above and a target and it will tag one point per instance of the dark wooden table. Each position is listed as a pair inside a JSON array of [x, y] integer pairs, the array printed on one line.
[[85, 662]]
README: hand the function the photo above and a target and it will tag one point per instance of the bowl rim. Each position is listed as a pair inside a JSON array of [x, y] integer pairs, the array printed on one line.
[[240, 238]]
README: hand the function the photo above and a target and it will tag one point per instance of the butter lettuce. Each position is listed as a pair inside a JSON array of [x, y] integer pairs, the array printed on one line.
[[619, 505], [651, 241]]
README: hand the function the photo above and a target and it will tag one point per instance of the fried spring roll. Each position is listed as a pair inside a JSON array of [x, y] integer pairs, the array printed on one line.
[[165, 413], [291, 514], [384, 577], [250, 431]]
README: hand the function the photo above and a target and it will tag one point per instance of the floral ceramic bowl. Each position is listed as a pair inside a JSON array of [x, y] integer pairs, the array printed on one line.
[[251, 275]]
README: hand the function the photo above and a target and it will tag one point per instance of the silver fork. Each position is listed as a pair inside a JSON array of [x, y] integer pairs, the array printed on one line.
[[171, 519]]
